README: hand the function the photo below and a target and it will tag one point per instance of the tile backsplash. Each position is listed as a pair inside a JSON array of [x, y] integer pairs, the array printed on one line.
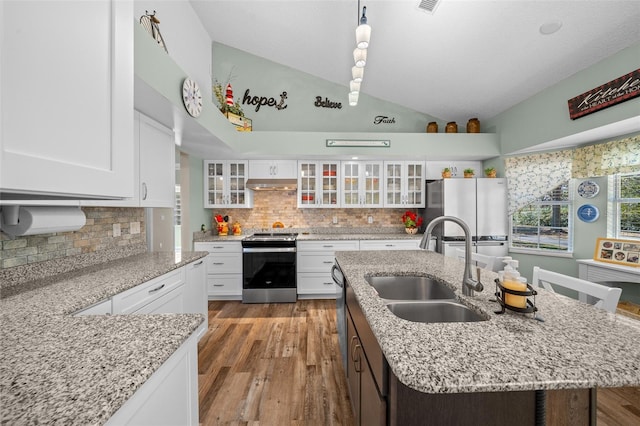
[[281, 206], [97, 235]]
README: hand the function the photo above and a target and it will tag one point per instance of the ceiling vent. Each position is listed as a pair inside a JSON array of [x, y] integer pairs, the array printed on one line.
[[429, 5]]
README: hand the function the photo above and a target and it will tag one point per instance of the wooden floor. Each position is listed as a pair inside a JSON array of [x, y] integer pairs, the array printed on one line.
[[272, 364], [279, 364]]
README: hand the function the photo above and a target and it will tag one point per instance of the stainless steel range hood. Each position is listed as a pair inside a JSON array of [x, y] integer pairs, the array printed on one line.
[[272, 184]]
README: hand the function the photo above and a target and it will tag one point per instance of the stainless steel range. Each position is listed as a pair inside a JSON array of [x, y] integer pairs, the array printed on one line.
[[269, 268]]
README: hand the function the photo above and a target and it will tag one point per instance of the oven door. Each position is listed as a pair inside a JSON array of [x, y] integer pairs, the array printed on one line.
[[269, 274]]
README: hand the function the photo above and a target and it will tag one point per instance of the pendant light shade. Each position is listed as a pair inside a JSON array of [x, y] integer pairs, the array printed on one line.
[[363, 31], [357, 74], [360, 57], [354, 87], [353, 99]]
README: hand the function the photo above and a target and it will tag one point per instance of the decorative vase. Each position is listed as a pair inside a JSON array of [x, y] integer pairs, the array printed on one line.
[[473, 126], [411, 231], [452, 127], [432, 127], [491, 174], [223, 228], [468, 175], [446, 175]]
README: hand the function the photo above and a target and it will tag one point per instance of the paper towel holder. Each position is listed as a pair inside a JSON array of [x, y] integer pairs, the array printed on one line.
[[32, 220]]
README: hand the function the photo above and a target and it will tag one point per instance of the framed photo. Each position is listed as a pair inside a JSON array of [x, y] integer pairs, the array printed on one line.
[[622, 252]]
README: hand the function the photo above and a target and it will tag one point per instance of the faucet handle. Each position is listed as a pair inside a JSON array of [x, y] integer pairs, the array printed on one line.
[[479, 286]]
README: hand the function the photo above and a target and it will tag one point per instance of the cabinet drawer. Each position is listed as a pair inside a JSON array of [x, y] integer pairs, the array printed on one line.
[[217, 247], [224, 285], [390, 244], [100, 308], [224, 263], [318, 284], [169, 303], [134, 299], [315, 261], [328, 245]]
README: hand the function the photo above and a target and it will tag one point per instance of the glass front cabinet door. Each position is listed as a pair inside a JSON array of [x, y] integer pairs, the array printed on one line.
[[362, 184], [318, 184], [225, 184], [404, 184]]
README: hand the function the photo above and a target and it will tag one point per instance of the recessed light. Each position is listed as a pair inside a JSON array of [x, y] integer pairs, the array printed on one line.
[[354, 158], [550, 27]]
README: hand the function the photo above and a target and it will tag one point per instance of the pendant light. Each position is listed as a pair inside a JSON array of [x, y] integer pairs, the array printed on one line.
[[357, 73], [363, 36], [360, 57], [363, 31]]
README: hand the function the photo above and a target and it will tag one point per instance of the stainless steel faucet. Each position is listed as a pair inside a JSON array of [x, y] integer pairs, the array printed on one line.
[[468, 283]]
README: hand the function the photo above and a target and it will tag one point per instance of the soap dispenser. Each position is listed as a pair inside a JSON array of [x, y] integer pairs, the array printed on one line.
[[512, 280]]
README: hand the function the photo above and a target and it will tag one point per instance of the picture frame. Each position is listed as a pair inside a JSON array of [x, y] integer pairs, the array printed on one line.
[[620, 252]]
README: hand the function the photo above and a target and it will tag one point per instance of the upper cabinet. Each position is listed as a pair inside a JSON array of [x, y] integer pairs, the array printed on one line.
[[273, 169], [319, 184], [154, 164], [362, 184], [67, 93], [404, 183], [225, 184]]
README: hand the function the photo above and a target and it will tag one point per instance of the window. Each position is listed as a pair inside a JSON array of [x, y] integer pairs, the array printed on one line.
[[545, 223], [625, 206]]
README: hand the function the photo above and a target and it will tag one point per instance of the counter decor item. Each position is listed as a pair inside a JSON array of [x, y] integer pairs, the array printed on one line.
[[411, 222], [621, 252], [446, 173], [222, 224], [490, 172], [473, 125], [452, 127], [432, 127], [468, 173], [503, 294], [237, 228]]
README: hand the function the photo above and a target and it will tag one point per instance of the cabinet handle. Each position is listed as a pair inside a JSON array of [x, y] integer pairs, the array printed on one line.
[[328, 262], [144, 191], [218, 247], [327, 246], [153, 290], [329, 283], [198, 264], [218, 263], [218, 285], [357, 364], [389, 245]]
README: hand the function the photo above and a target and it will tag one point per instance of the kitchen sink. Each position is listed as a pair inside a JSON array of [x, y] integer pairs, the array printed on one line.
[[410, 288], [432, 312]]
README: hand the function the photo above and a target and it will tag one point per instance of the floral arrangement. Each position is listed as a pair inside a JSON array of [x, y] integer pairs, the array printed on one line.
[[411, 220]]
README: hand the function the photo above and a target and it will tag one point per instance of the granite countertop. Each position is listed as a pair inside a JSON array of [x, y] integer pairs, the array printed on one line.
[[577, 345], [318, 234], [62, 369]]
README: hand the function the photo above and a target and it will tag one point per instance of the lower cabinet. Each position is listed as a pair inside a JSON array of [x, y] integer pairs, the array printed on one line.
[[369, 406], [195, 293], [224, 269], [404, 244], [170, 396], [314, 260]]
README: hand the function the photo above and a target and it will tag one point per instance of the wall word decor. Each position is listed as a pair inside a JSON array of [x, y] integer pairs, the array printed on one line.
[[614, 92], [326, 103], [383, 119], [260, 101]]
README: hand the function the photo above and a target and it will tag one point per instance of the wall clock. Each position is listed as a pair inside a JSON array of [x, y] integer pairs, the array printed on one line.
[[588, 213], [191, 97]]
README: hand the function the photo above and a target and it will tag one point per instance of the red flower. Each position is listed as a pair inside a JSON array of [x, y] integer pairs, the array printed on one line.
[[411, 220]]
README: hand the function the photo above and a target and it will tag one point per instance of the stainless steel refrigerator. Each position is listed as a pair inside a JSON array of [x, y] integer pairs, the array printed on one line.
[[481, 203]]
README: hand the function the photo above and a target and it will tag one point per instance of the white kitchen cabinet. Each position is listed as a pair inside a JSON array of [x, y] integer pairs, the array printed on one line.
[[225, 184], [434, 168], [407, 244], [404, 184], [224, 269], [318, 184], [136, 298], [314, 260], [154, 159], [169, 396], [272, 169], [362, 184], [195, 293], [67, 90]]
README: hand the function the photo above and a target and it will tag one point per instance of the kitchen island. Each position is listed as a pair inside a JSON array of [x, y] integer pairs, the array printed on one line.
[[57, 368], [577, 347]]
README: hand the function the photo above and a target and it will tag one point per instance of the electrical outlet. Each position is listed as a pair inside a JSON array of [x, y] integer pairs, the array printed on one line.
[[116, 230], [370, 219], [134, 228], [335, 220]]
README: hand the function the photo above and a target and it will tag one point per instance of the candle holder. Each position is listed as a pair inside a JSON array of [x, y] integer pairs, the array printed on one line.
[[530, 307]]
